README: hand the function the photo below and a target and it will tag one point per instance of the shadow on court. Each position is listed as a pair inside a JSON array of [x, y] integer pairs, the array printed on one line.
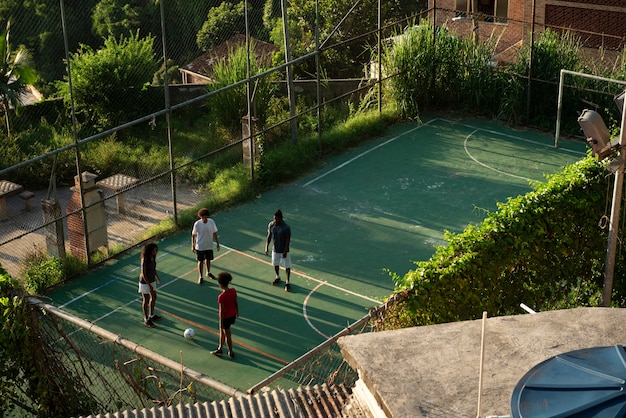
[[377, 208]]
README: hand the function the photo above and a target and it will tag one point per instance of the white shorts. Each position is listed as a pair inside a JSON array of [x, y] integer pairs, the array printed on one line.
[[144, 288], [278, 259]]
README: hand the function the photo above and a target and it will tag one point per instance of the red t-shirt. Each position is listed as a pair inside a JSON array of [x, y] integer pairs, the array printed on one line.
[[227, 300]]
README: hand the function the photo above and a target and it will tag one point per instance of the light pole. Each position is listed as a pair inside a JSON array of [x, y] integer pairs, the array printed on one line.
[[599, 138]]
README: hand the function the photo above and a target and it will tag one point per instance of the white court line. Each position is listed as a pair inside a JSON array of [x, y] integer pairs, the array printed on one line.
[[138, 299], [489, 167], [519, 138], [306, 276], [320, 283], [366, 152], [306, 315], [115, 279]]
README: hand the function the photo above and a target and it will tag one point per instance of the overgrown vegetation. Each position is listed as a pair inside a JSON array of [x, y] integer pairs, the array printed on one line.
[[449, 72], [110, 85], [544, 249], [31, 378], [456, 74]]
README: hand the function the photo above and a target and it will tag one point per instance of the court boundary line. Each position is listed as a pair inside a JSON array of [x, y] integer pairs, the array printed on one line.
[[306, 276], [306, 314], [115, 278], [193, 323], [519, 138], [345, 163], [139, 299], [217, 334], [206, 328], [465, 142], [430, 122]]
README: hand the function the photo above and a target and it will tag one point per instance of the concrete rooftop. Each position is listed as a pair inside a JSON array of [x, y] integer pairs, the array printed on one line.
[[433, 371]]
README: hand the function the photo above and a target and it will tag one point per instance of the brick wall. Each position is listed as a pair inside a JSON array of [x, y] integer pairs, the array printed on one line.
[[598, 22]]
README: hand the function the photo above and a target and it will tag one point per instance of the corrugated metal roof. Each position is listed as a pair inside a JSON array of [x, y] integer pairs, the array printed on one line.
[[319, 401]]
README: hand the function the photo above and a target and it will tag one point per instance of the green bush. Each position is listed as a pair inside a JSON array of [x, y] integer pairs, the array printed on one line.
[[40, 271], [551, 52], [448, 72], [542, 249], [41, 274], [32, 380]]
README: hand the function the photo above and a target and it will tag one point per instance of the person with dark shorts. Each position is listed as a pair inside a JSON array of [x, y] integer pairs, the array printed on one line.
[[228, 312], [203, 234]]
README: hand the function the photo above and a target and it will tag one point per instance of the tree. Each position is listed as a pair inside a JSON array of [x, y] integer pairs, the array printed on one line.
[[339, 21], [38, 25], [222, 23], [110, 85], [115, 18], [15, 75]]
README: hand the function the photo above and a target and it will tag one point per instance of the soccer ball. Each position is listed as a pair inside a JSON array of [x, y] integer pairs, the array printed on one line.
[[189, 333]]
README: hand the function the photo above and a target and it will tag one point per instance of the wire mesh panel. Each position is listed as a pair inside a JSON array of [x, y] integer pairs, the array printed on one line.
[[155, 98], [111, 374]]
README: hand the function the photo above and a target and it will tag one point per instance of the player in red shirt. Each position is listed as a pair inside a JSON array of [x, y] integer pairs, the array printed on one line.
[[228, 312]]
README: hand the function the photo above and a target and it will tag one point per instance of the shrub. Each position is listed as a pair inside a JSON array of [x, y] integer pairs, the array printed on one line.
[[551, 52], [448, 72], [538, 249], [40, 271]]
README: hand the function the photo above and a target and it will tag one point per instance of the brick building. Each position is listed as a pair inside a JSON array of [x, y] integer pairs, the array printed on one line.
[[597, 22]]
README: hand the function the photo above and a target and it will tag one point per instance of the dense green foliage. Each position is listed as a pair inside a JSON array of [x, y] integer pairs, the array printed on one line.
[[544, 249], [222, 23], [229, 106], [551, 53], [441, 70], [110, 84], [117, 18], [16, 73], [436, 70], [41, 272], [31, 378]]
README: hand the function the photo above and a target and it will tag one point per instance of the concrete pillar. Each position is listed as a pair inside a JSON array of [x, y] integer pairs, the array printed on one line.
[[55, 238], [247, 131]]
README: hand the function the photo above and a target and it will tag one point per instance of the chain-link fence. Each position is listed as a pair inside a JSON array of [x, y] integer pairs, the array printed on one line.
[[140, 104], [110, 373], [144, 102]]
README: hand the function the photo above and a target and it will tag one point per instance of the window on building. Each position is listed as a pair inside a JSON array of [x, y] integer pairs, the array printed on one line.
[[485, 10]]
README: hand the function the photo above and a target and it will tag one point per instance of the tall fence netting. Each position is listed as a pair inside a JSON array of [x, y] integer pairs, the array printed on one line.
[[70, 186]]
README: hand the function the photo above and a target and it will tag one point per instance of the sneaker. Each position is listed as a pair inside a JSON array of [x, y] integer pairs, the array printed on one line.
[[200, 280], [287, 287], [149, 323], [217, 352], [231, 354], [212, 276], [156, 318], [276, 281]]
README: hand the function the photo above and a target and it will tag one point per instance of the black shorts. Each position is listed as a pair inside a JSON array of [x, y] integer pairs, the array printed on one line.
[[204, 255], [227, 322]]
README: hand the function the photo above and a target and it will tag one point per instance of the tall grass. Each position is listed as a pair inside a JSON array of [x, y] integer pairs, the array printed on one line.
[[433, 68], [227, 107], [551, 52]]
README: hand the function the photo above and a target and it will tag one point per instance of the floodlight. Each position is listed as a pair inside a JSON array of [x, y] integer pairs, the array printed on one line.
[[597, 133]]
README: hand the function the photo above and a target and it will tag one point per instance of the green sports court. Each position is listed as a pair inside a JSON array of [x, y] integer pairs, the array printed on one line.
[[360, 217]]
